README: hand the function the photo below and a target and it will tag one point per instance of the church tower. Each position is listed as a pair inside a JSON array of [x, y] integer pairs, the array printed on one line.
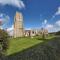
[[18, 25]]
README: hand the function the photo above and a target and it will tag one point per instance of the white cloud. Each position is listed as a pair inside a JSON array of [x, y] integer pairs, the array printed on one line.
[[56, 26], [7, 17], [27, 28], [1, 15], [10, 30], [58, 11], [16, 3], [49, 26], [4, 19], [53, 27], [44, 22], [53, 16], [58, 23]]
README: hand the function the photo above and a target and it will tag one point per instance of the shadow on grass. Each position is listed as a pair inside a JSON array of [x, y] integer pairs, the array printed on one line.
[[43, 39], [46, 39], [44, 51]]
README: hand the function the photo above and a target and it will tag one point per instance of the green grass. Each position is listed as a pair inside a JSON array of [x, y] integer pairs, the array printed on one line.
[[19, 44]]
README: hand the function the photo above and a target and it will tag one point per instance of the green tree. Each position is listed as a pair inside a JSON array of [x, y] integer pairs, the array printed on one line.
[[43, 35], [3, 41]]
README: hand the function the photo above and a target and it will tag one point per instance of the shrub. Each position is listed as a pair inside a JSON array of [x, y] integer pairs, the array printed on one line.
[[3, 41]]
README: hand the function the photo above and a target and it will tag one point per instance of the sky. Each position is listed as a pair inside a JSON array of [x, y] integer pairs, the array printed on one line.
[[36, 13]]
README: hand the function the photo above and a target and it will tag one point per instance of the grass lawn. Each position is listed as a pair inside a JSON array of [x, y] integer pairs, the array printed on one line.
[[19, 44]]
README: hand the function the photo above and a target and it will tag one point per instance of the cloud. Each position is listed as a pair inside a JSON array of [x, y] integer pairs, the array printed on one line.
[[7, 17], [16, 3], [56, 26], [49, 26], [27, 28], [4, 19], [1, 15], [53, 27], [44, 22], [10, 30], [58, 23], [58, 11]]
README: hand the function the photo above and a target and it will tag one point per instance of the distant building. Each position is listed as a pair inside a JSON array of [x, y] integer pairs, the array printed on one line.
[[27, 33], [18, 25], [44, 31]]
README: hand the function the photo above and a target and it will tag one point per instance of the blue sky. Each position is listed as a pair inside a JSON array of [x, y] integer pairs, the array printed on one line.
[[36, 13]]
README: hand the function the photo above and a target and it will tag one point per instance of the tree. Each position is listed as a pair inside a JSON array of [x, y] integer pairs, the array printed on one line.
[[3, 41], [43, 33], [58, 33]]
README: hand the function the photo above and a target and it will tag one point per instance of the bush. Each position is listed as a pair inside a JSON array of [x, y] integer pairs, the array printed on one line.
[[58, 33], [3, 41]]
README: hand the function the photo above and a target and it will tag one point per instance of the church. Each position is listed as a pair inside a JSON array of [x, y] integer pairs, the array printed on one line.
[[18, 25], [19, 30]]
